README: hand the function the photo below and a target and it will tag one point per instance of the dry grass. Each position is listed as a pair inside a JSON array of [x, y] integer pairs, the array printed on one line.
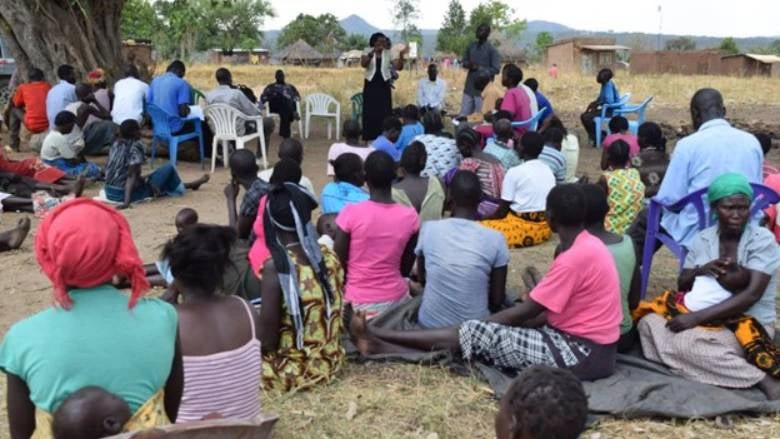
[[569, 93]]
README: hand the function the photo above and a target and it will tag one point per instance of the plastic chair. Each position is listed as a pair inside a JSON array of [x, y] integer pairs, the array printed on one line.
[[225, 120], [602, 119], [357, 106], [319, 105], [161, 129], [197, 95], [267, 110], [638, 109], [763, 197], [533, 122]]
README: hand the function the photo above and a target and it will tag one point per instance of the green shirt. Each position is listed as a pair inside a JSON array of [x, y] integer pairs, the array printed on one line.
[[98, 342], [625, 261]]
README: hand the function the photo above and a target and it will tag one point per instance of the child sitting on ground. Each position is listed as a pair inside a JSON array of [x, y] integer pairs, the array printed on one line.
[[618, 128], [502, 146], [346, 187], [62, 148], [624, 187], [124, 182], [411, 129], [541, 403], [90, 413], [391, 131], [159, 274]]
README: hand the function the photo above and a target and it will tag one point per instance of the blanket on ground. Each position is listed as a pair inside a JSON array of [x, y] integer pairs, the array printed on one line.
[[638, 388]]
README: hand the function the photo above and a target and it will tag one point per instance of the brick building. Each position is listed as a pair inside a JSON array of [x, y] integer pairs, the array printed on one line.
[[585, 55], [700, 62]]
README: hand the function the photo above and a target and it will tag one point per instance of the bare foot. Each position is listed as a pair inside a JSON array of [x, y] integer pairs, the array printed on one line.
[[78, 186], [771, 388], [195, 185], [361, 335], [14, 238], [531, 277]]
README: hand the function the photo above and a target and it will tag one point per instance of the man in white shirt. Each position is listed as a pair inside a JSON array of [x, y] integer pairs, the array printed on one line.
[[129, 96], [431, 91], [229, 94]]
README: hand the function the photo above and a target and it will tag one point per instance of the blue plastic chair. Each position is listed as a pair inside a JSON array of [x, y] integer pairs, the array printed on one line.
[[763, 197], [533, 122], [161, 127], [603, 118], [638, 109]]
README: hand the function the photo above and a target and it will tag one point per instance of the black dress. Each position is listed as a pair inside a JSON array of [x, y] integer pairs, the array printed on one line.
[[377, 103]]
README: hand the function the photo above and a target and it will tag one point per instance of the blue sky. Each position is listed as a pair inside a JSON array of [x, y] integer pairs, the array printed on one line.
[[720, 18]]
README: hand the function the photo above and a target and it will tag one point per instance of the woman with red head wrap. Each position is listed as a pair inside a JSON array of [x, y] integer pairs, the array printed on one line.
[[94, 335]]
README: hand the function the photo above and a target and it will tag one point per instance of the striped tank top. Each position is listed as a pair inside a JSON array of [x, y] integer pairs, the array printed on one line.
[[226, 382]]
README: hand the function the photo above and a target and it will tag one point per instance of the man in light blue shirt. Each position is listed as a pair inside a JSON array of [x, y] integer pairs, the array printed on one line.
[[173, 94], [62, 94], [714, 149]]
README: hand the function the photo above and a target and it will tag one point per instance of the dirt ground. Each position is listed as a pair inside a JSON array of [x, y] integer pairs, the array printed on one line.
[[391, 400]]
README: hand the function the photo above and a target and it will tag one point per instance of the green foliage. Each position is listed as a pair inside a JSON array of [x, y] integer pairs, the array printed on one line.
[[179, 27], [728, 46], [536, 54], [681, 44], [323, 32], [405, 13], [355, 42], [501, 18], [452, 36]]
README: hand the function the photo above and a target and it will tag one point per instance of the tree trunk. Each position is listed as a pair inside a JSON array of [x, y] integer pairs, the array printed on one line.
[[48, 33]]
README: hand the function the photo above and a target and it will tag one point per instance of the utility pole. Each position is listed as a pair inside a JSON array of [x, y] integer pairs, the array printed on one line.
[[660, 25]]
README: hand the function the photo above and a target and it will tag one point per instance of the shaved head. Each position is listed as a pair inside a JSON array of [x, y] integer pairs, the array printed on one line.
[[706, 105], [503, 129]]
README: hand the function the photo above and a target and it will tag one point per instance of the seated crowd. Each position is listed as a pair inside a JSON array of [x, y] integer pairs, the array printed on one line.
[[420, 216]]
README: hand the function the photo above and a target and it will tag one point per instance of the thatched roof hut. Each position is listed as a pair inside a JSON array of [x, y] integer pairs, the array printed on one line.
[[510, 51], [300, 53]]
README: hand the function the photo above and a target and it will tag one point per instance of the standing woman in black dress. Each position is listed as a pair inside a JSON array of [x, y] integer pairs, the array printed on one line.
[[377, 93]]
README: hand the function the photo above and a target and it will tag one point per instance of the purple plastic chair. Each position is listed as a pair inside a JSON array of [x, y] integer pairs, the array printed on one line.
[[763, 197]]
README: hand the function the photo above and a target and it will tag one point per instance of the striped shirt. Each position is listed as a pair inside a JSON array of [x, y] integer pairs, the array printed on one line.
[[227, 382], [556, 161]]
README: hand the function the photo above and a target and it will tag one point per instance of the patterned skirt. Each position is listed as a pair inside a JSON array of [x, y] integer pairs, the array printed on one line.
[[522, 229]]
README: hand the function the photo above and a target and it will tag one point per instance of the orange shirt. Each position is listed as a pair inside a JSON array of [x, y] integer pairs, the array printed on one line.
[[32, 96]]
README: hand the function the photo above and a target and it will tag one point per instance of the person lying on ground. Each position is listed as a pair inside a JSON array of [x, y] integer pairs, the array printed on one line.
[[485, 166], [424, 194], [351, 130], [625, 191], [579, 296], [93, 119], [543, 403], [502, 145], [375, 241], [521, 215], [38, 354], [290, 149], [124, 182], [724, 335], [624, 255], [220, 334], [41, 202], [90, 413], [63, 148], [347, 185], [462, 264], [33, 168], [302, 287]]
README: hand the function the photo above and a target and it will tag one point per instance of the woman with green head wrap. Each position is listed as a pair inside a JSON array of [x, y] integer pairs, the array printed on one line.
[[728, 279]]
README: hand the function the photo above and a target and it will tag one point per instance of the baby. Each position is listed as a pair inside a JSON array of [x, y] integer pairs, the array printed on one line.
[[159, 273], [90, 413], [326, 228], [708, 291], [543, 402]]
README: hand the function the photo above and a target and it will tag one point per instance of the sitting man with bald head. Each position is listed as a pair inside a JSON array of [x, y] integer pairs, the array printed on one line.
[[714, 149]]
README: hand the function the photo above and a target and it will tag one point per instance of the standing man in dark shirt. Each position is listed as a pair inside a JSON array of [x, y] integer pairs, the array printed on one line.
[[479, 55]]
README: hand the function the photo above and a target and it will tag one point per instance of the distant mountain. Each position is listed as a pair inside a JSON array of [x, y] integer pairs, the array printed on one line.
[[354, 24]]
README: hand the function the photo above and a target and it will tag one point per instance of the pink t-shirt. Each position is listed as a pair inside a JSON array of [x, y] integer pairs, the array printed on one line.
[[259, 252], [340, 148], [581, 292], [633, 144], [378, 233], [516, 101]]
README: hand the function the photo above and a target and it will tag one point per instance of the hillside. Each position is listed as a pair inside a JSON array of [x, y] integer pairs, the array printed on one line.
[[357, 25]]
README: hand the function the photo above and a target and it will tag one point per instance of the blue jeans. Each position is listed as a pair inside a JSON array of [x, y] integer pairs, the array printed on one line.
[[165, 180]]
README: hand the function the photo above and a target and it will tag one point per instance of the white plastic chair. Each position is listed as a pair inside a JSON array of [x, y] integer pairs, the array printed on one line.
[[319, 105], [224, 120], [267, 110]]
